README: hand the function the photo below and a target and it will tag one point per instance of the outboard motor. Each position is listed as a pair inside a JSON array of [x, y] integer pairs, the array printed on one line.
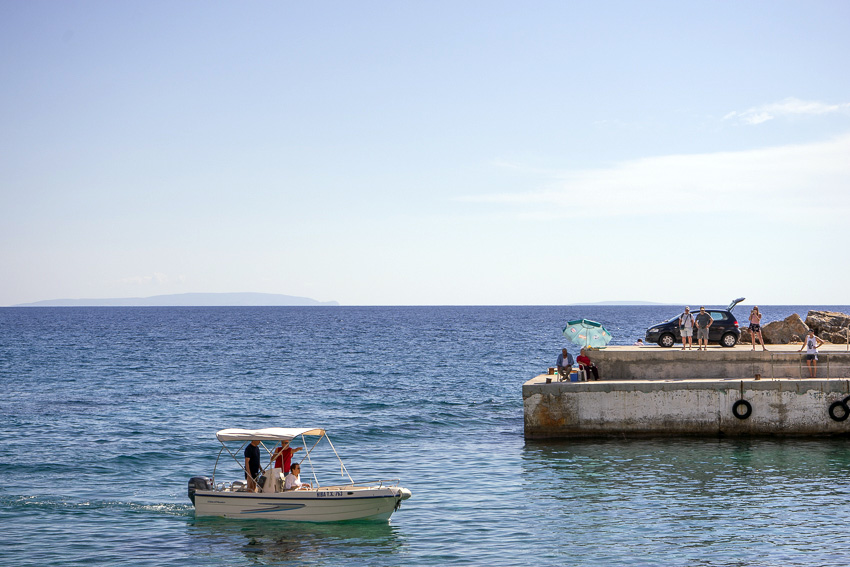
[[198, 483]]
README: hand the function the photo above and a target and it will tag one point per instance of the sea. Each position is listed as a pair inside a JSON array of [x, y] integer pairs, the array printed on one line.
[[106, 413]]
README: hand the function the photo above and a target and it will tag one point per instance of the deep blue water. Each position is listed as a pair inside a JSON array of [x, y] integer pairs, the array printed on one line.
[[106, 412]]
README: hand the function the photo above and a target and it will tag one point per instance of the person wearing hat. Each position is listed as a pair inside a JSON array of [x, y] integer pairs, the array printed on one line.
[[686, 328]]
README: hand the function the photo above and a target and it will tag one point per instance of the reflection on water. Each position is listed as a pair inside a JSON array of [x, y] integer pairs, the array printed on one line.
[[691, 501], [268, 542]]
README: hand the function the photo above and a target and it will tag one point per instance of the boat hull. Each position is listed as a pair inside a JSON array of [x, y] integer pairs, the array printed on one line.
[[322, 505]]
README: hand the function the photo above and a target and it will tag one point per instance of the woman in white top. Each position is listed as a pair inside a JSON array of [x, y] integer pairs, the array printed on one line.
[[293, 480]]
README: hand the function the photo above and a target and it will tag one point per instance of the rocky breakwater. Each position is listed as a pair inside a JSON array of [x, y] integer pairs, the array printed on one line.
[[830, 326]]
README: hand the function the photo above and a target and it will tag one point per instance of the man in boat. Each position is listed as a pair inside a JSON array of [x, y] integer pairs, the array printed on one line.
[[252, 464], [282, 457], [293, 480]]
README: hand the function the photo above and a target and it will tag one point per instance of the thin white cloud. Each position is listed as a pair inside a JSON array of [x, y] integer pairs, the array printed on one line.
[[783, 181], [789, 107]]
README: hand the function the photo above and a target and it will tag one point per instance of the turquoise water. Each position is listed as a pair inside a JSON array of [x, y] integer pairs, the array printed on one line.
[[106, 413]]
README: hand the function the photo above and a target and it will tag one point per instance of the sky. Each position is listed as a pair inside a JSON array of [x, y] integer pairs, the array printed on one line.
[[426, 153]]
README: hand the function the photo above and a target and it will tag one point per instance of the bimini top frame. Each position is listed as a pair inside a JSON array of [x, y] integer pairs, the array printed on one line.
[[275, 434]]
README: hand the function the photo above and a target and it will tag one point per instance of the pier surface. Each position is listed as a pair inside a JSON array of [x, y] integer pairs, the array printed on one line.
[[654, 391]]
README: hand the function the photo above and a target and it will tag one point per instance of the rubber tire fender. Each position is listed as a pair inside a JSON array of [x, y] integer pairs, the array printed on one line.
[[748, 409], [842, 404]]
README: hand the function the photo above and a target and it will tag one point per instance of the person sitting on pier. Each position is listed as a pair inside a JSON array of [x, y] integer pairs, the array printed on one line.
[[586, 365], [564, 363], [293, 480]]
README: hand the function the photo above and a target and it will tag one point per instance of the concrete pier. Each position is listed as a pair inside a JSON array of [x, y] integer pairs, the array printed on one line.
[[650, 391]]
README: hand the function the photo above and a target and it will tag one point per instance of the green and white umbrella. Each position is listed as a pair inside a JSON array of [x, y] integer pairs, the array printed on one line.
[[586, 333]]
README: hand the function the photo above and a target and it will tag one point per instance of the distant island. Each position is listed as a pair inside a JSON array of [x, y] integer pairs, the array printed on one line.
[[624, 303], [189, 300]]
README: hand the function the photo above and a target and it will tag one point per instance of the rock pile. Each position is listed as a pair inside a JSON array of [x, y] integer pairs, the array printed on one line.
[[830, 326], [784, 332]]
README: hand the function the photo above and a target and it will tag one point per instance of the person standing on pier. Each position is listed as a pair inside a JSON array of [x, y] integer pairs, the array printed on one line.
[[703, 320], [811, 345], [686, 328], [755, 327]]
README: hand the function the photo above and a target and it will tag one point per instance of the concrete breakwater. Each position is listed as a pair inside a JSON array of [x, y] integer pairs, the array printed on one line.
[[655, 363], [664, 392]]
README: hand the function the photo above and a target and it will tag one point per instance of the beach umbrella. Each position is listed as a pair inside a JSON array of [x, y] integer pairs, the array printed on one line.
[[586, 333]]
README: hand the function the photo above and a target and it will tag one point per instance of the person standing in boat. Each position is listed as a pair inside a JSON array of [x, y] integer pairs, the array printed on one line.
[[282, 457], [293, 480], [252, 464], [811, 344]]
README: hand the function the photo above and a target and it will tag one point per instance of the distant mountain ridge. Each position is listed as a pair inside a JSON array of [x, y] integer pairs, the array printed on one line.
[[189, 300], [624, 303]]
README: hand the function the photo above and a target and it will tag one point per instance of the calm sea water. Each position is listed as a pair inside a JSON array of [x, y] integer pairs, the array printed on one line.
[[106, 413]]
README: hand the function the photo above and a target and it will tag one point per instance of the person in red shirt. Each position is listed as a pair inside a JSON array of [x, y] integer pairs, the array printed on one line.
[[585, 363], [283, 456], [282, 460]]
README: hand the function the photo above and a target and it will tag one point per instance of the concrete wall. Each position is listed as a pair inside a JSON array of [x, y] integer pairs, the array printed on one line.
[[681, 407], [619, 363]]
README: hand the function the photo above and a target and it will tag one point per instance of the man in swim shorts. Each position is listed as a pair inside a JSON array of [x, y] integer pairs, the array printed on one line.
[[811, 345], [703, 321]]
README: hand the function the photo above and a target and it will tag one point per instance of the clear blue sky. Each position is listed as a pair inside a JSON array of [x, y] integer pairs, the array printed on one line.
[[407, 153]]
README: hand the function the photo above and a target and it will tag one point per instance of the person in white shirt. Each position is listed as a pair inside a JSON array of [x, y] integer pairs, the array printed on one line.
[[811, 344], [293, 480]]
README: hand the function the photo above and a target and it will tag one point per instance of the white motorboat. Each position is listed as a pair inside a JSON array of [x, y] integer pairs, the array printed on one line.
[[371, 500]]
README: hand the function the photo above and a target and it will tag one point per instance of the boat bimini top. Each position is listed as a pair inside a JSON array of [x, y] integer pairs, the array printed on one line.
[[268, 434], [275, 435]]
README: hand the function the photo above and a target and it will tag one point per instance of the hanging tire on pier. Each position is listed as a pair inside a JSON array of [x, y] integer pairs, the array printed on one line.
[[839, 411], [742, 409]]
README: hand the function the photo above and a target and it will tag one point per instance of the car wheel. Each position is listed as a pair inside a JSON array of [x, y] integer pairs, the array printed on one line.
[[666, 340], [728, 340]]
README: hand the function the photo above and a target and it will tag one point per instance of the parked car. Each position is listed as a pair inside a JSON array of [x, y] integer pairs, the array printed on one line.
[[724, 328]]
